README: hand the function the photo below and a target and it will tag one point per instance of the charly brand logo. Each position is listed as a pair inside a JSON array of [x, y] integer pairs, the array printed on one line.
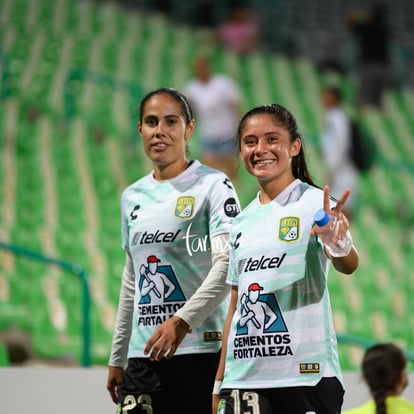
[[289, 229], [195, 243], [134, 215], [236, 243], [227, 183], [184, 207]]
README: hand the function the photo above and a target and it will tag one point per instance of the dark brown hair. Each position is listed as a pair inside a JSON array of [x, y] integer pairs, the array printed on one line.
[[281, 114], [186, 109], [382, 366]]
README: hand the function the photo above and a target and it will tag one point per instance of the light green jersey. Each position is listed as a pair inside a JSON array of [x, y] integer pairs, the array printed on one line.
[[167, 227], [282, 332]]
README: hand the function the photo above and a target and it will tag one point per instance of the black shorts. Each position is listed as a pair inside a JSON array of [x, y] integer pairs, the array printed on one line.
[[182, 384], [326, 397]]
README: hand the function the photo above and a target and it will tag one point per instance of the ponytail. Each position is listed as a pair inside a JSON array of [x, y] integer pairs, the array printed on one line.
[[382, 366]]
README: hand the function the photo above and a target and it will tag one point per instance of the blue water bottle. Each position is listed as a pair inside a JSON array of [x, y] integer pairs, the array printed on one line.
[[327, 231]]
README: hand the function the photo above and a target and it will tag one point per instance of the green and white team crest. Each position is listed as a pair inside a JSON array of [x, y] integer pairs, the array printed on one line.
[[221, 409], [184, 208], [289, 229]]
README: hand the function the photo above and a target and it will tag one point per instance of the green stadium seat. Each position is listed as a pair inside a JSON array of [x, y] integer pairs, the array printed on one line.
[[89, 175], [14, 308], [4, 355], [56, 329]]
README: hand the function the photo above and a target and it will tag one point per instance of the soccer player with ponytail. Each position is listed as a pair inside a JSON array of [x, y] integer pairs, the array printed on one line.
[[279, 350], [384, 371]]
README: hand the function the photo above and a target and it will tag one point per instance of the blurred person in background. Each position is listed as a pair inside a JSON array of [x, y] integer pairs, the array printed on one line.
[[216, 99], [336, 145], [384, 371], [240, 33], [175, 226], [372, 36]]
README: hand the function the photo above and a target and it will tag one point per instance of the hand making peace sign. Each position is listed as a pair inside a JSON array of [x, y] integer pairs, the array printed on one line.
[[335, 211]]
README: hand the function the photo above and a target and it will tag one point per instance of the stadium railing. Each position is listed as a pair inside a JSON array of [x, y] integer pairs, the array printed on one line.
[[76, 270]]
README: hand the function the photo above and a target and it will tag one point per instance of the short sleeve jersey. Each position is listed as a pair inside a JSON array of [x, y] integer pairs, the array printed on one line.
[[167, 227], [282, 331]]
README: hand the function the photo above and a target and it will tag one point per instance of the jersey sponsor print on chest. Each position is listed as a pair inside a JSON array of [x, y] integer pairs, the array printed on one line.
[[160, 292], [159, 236], [261, 330], [253, 264]]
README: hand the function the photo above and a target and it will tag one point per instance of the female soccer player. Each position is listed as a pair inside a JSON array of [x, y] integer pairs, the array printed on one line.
[[384, 371], [279, 350], [175, 226]]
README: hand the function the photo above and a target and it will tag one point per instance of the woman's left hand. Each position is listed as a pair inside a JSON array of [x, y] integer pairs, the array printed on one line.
[[336, 212]]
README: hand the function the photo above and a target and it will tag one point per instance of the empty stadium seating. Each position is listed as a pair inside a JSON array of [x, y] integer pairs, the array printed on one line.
[[74, 74]]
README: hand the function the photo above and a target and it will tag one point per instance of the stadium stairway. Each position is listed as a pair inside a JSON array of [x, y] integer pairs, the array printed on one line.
[[62, 172]]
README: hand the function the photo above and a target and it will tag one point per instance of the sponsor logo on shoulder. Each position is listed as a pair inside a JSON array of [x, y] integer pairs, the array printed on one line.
[[231, 209]]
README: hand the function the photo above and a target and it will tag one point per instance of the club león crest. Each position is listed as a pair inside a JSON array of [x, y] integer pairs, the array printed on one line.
[[184, 207], [289, 229]]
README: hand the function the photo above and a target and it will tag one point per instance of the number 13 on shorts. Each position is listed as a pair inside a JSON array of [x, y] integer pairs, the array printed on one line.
[[240, 402]]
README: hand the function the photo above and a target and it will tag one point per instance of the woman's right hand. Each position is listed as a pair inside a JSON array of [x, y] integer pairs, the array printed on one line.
[[216, 399], [114, 381]]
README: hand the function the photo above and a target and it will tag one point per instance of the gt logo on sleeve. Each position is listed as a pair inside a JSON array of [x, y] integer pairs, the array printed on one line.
[[231, 209]]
